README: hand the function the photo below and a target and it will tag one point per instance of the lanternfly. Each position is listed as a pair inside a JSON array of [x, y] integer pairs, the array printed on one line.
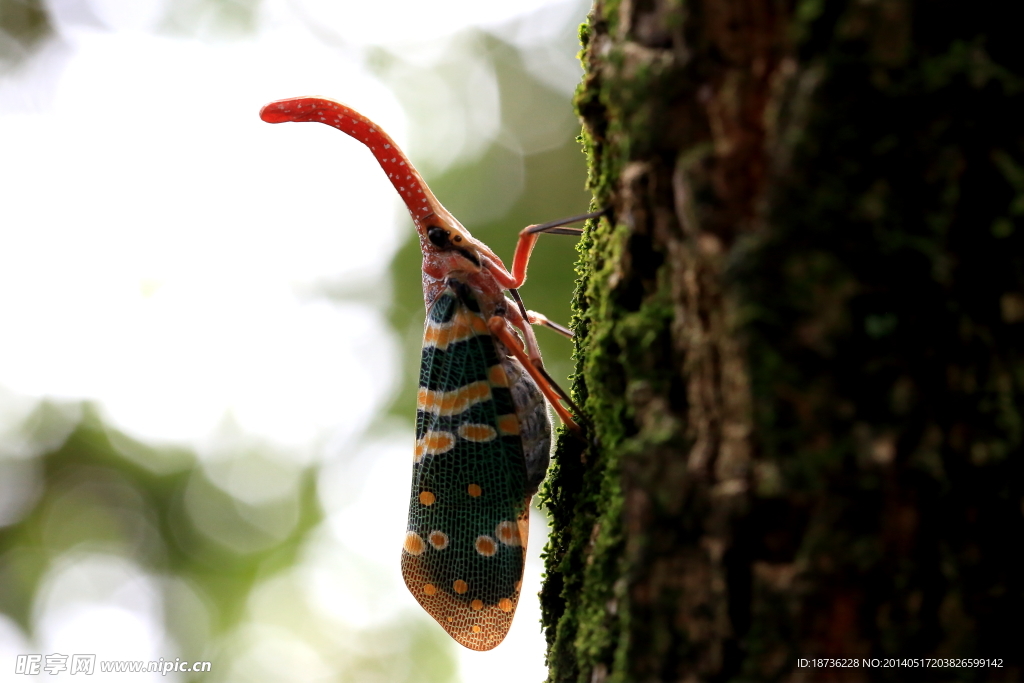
[[482, 429]]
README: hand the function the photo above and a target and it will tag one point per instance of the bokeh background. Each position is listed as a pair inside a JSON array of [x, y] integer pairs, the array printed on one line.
[[209, 326]]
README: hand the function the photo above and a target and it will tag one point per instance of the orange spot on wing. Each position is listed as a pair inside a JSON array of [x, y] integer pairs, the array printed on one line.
[[477, 605], [508, 424], [486, 546], [427, 498], [505, 605], [460, 586], [438, 539], [497, 377], [474, 490], [413, 545], [476, 628], [508, 533], [429, 589]]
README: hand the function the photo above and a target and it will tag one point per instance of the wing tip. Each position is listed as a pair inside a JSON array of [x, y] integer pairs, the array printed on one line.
[[480, 628]]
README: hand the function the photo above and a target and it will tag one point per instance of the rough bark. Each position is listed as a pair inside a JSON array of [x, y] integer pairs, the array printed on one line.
[[799, 345]]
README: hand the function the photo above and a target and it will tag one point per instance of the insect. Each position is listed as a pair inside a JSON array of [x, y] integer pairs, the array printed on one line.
[[482, 428]]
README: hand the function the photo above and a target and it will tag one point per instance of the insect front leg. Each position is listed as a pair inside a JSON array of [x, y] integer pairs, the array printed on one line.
[[528, 238], [524, 247]]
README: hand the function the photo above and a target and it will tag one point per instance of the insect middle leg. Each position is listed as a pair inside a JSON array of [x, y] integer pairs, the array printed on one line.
[[536, 318], [498, 327], [523, 319]]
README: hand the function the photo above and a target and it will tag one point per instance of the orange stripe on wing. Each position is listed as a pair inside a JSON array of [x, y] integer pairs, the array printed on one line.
[[463, 325], [433, 443], [452, 402]]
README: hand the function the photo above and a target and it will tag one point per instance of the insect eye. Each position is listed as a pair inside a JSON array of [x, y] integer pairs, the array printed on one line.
[[438, 237], [457, 238]]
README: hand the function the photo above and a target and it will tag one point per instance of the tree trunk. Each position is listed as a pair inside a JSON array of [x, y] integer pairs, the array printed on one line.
[[800, 346]]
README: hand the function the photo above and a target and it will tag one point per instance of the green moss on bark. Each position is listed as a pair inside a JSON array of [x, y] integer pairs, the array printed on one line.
[[799, 337]]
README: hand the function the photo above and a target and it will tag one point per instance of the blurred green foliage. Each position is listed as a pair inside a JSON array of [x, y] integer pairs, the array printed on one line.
[[94, 497], [24, 23], [210, 18]]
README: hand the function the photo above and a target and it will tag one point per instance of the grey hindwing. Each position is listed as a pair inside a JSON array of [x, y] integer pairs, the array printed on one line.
[[534, 422]]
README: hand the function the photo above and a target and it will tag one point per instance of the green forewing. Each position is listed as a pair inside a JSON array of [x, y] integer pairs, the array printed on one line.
[[465, 488]]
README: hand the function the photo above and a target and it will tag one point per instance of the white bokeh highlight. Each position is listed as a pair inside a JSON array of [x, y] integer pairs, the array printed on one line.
[[105, 605], [405, 22], [166, 252]]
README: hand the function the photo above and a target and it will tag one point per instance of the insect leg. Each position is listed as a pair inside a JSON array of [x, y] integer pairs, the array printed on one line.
[[528, 238], [552, 392], [536, 318], [523, 319]]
